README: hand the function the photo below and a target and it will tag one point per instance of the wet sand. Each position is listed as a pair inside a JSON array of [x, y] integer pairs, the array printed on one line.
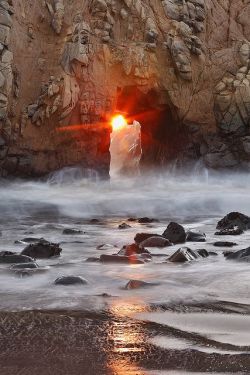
[[77, 342]]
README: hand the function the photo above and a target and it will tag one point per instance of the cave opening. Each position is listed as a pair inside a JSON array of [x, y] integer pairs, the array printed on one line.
[[163, 137]]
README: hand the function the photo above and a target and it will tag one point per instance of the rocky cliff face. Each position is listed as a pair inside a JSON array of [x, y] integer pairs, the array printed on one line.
[[180, 67]]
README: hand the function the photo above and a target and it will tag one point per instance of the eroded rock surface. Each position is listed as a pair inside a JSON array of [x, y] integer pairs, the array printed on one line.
[[65, 64]]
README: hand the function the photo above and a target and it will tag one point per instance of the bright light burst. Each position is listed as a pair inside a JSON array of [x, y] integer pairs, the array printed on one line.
[[118, 122]]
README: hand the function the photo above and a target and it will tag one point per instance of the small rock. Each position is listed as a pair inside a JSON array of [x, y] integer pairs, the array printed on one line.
[[30, 240], [224, 244], [146, 220], [15, 259], [236, 231], [212, 253], [94, 221], [195, 236], [133, 249], [92, 260], [70, 231], [70, 280], [120, 259], [234, 219], [42, 250], [138, 284], [185, 254], [203, 253], [2, 253], [133, 219], [155, 241], [24, 266], [140, 237], [124, 226], [175, 233], [105, 246]]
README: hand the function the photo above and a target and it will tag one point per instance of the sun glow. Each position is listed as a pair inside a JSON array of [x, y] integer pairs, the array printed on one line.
[[118, 122]]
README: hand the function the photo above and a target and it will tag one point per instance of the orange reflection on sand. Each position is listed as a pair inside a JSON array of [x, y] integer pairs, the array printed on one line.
[[127, 337], [123, 367]]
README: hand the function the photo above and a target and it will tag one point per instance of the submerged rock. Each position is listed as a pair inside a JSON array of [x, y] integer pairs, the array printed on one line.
[[71, 231], [224, 244], [105, 246], [175, 233], [242, 255], [21, 266], [124, 226], [70, 280], [138, 284], [212, 253], [234, 219], [92, 260], [140, 237], [156, 241], [42, 250], [120, 259], [15, 258], [195, 236], [236, 231], [30, 240]]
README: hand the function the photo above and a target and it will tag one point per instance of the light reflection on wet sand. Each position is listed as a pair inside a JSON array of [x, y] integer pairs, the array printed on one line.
[[127, 336]]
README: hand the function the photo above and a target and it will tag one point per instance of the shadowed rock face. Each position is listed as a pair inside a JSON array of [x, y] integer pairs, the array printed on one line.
[[64, 65]]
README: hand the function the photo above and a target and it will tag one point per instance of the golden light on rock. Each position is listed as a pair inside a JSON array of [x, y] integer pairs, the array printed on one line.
[[118, 122]]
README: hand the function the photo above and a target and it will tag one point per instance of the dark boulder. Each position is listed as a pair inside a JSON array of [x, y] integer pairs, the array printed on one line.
[[175, 233], [234, 219], [70, 280], [156, 241], [184, 254], [195, 236], [212, 253], [120, 259], [138, 284], [236, 231], [242, 255], [15, 258], [140, 237], [124, 226], [133, 249], [224, 244], [42, 250], [71, 231]]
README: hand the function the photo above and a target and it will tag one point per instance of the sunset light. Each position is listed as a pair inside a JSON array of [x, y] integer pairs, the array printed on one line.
[[118, 122]]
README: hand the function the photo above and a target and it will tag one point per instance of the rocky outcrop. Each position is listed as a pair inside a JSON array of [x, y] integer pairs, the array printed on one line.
[[66, 67]]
